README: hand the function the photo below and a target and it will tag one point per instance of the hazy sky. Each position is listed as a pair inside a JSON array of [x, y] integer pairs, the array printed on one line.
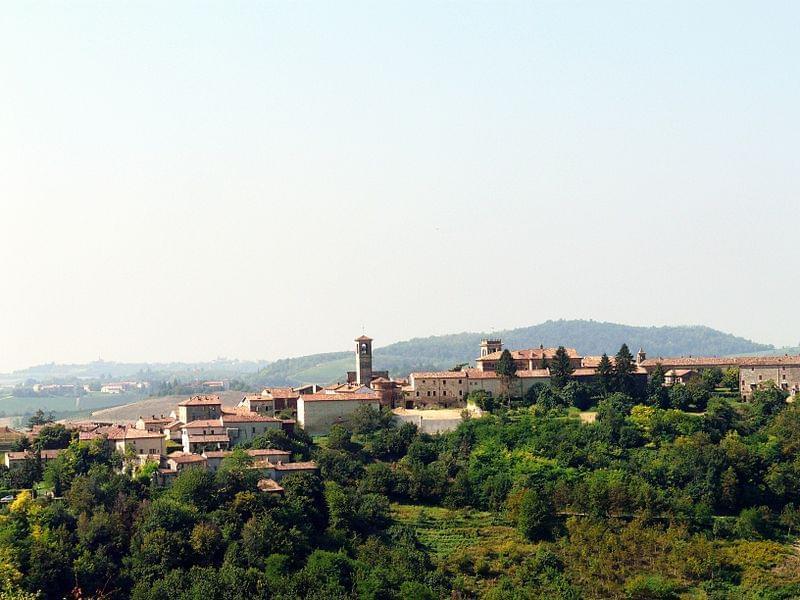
[[188, 180]]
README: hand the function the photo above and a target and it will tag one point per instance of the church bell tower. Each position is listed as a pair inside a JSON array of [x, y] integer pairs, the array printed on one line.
[[363, 360]]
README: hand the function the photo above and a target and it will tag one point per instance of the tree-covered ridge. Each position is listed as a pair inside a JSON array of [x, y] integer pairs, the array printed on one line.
[[445, 351]]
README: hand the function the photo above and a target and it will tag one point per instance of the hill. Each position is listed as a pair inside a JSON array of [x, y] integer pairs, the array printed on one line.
[[221, 368], [445, 351]]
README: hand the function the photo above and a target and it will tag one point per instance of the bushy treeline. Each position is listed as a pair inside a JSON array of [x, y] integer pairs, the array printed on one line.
[[696, 492], [208, 535]]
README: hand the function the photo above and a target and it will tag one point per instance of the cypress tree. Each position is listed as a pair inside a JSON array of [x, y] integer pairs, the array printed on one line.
[[605, 374], [624, 367], [560, 368]]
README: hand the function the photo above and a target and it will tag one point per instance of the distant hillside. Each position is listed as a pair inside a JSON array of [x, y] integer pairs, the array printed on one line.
[[443, 352], [222, 368]]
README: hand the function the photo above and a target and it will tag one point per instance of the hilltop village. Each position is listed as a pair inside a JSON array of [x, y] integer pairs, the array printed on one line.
[[200, 432], [345, 490]]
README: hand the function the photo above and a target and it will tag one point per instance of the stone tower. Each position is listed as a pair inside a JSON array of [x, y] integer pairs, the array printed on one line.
[[363, 360], [490, 346], [640, 356]]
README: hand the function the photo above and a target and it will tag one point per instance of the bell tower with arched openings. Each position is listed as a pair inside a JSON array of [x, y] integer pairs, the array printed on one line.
[[363, 360]]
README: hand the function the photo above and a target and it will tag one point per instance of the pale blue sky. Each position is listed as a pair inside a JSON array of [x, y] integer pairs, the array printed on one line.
[[186, 180]]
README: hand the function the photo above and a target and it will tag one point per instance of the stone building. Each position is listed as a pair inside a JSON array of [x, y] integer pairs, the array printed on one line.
[[199, 407], [754, 371], [17, 459], [448, 389], [141, 441], [317, 413], [530, 359]]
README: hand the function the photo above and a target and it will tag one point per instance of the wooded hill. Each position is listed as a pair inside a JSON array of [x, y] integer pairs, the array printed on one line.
[[446, 351]]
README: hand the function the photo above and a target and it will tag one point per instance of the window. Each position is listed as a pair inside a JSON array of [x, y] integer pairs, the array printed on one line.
[[760, 377], [417, 394], [254, 429], [429, 393], [434, 392], [460, 392], [459, 382], [444, 393]]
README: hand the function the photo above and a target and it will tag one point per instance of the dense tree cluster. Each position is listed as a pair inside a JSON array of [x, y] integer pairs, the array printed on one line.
[[208, 535]]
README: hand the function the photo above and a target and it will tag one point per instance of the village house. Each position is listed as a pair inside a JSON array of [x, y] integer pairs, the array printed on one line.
[[243, 426], [154, 424], [680, 376], [214, 458], [277, 471], [173, 431], [14, 460], [258, 403], [199, 407], [204, 434], [140, 441], [317, 413], [284, 399]]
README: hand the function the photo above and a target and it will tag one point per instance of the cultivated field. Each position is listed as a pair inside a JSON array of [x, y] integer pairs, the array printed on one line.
[[155, 406], [21, 405]]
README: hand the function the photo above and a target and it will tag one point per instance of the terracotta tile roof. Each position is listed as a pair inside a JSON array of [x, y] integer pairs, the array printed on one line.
[[258, 452], [587, 372], [185, 457], [478, 374], [344, 387], [592, 361], [440, 375], [200, 423], [201, 401], [209, 438], [533, 373], [257, 398], [156, 420], [269, 486], [530, 353], [722, 361], [217, 453], [340, 397], [131, 433], [363, 338], [678, 372], [19, 455], [281, 393], [45, 454], [246, 417], [296, 466]]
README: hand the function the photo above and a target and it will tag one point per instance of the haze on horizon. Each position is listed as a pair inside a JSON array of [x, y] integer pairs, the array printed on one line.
[[182, 181]]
